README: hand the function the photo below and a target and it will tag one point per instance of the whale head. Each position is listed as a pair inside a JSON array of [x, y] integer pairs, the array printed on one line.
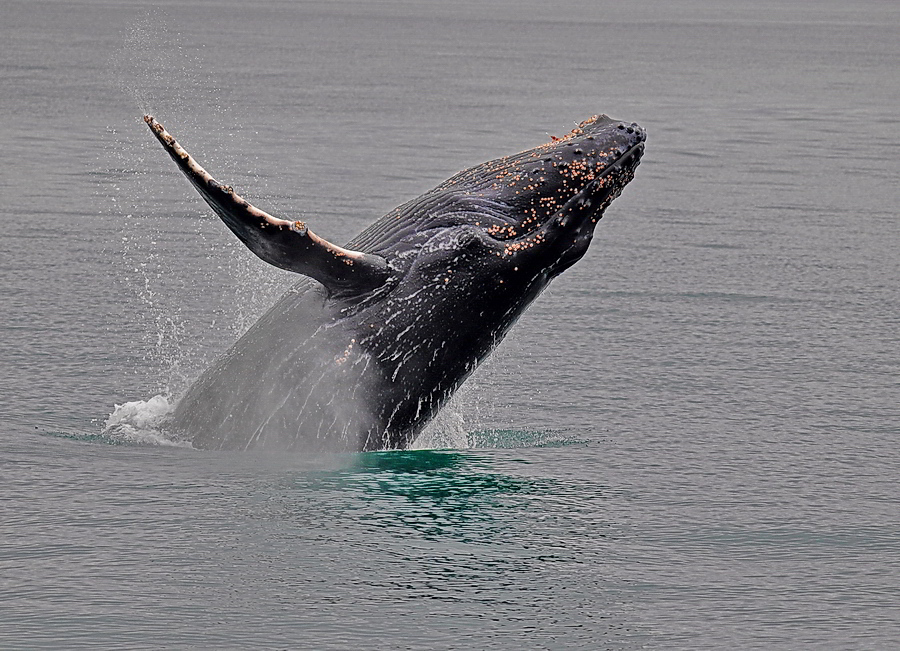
[[513, 199], [593, 162]]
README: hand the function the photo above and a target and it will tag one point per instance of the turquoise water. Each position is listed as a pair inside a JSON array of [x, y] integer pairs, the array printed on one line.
[[688, 442]]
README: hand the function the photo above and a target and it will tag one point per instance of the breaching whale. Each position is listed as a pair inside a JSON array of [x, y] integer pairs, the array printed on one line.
[[365, 350]]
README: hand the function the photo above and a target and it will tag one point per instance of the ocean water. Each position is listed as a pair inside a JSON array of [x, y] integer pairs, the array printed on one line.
[[688, 442]]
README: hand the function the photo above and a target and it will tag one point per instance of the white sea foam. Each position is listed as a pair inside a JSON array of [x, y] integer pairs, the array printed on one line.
[[141, 422]]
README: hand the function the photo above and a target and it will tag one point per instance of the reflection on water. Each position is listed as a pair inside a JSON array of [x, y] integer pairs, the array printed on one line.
[[440, 494], [463, 539], [432, 493], [409, 461]]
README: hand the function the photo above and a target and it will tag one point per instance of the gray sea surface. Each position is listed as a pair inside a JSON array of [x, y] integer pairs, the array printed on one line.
[[690, 441]]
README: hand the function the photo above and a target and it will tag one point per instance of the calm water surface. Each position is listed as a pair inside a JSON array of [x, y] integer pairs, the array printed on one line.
[[688, 442]]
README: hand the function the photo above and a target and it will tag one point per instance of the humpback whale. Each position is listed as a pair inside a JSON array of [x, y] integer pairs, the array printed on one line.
[[376, 336]]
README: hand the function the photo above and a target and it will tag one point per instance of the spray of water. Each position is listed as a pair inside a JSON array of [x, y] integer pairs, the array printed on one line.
[[182, 313]]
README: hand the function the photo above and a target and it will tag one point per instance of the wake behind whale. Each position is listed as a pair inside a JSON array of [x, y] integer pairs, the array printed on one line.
[[365, 350]]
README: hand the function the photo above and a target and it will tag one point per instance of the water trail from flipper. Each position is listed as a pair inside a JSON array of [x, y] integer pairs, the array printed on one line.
[[188, 288]]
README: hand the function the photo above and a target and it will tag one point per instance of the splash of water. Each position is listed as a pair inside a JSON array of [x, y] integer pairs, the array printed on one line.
[[140, 422], [447, 431]]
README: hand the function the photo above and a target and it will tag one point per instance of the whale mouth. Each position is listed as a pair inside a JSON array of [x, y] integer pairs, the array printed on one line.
[[612, 180], [594, 198], [604, 187], [627, 160], [630, 159], [624, 164]]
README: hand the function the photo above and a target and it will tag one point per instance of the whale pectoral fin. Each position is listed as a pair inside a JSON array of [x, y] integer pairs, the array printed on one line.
[[283, 243]]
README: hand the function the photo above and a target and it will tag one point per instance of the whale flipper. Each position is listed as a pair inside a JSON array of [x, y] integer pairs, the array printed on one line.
[[283, 243]]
